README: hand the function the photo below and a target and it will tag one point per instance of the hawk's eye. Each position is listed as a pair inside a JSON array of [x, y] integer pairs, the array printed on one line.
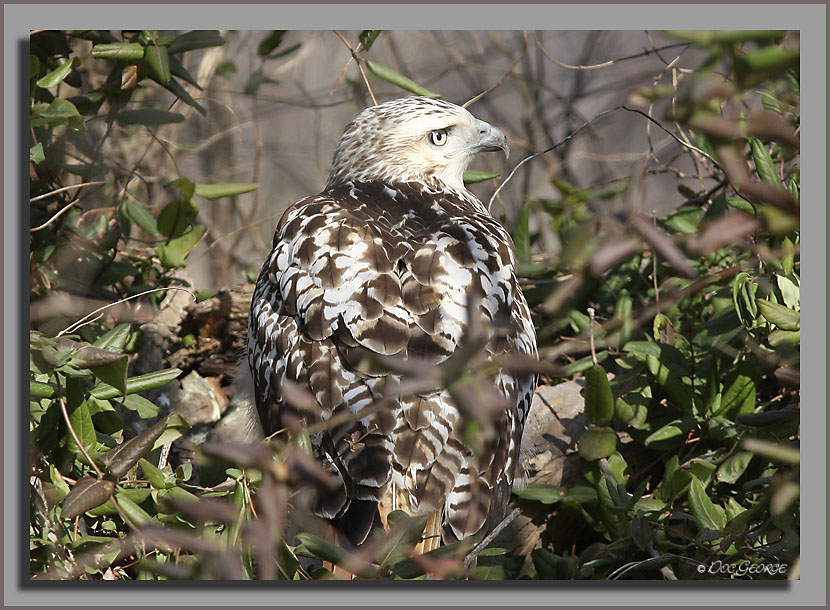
[[438, 137]]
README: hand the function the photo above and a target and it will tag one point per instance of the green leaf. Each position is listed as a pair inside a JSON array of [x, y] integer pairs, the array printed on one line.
[[583, 364], [367, 38], [41, 390], [180, 92], [59, 112], [229, 189], [597, 442], [703, 470], [674, 430], [787, 260], [764, 163], [137, 495], [708, 514], [790, 293], [79, 417], [546, 494], [473, 177], [642, 349], [757, 65], [733, 467], [684, 220], [174, 252], [545, 563], [409, 569], [186, 187], [121, 50], [668, 375], [179, 71], [631, 413], [176, 427], [133, 511], [114, 373], [149, 117], [270, 42], [521, 235], [226, 69], [739, 391], [388, 74], [140, 383], [145, 408], [85, 495], [115, 339], [784, 337], [34, 66], [158, 59], [599, 401], [326, 550], [176, 217], [706, 38], [783, 317], [198, 39], [140, 216], [36, 153], [156, 477], [57, 75], [741, 204], [254, 82]]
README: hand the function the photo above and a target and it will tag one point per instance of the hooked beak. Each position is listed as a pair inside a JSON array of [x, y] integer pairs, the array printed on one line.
[[491, 139]]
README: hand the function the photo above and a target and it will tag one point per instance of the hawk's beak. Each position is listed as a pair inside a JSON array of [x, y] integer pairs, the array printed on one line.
[[491, 139]]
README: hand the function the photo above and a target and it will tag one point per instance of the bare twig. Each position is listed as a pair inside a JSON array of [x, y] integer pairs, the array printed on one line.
[[504, 76], [591, 318], [65, 188], [83, 320], [359, 65], [469, 559], [76, 439], [609, 63], [55, 217], [587, 124]]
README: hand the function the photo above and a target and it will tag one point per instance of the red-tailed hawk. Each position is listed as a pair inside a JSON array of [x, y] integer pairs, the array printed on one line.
[[383, 262]]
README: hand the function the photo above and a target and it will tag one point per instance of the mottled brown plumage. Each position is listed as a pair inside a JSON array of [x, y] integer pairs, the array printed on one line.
[[383, 262]]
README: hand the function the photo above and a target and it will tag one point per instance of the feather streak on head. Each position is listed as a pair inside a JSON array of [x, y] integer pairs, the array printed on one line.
[[413, 139]]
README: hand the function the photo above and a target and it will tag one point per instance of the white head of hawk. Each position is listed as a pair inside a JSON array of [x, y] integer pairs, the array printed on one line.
[[413, 139], [384, 261]]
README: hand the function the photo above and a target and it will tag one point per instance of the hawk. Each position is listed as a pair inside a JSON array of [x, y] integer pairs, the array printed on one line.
[[396, 258]]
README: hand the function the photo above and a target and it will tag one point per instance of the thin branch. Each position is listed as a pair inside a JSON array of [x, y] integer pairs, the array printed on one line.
[[346, 67], [469, 559], [504, 76], [587, 124], [65, 188], [547, 150], [591, 317], [83, 320], [55, 217], [359, 65], [76, 439], [605, 64]]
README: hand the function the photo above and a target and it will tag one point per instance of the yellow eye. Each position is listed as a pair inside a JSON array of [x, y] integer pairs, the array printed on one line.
[[438, 137]]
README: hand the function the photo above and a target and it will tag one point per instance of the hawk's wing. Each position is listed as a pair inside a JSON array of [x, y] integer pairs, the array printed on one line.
[[368, 268]]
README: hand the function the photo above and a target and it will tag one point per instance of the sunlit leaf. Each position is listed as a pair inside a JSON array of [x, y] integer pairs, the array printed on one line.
[[217, 191], [388, 74]]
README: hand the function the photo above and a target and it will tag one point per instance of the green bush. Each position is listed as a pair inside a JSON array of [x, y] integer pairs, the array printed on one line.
[[691, 454]]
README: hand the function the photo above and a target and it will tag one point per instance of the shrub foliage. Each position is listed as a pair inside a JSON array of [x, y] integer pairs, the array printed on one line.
[[685, 328]]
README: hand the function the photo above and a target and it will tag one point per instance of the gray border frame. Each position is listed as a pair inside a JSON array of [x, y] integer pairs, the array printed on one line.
[[809, 18]]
